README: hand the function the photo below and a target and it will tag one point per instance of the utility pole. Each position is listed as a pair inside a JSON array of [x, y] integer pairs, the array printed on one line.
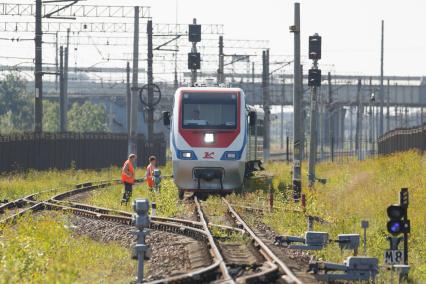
[[371, 112], [313, 131], [358, 131], [396, 106], [382, 94], [302, 116], [388, 107], [38, 70], [321, 128], [330, 117], [406, 116], [175, 81], [266, 106], [132, 145], [66, 62], [62, 110], [314, 81], [65, 83], [220, 71], [128, 98], [150, 85], [252, 83], [297, 106], [282, 115], [194, 51], [57, 62]]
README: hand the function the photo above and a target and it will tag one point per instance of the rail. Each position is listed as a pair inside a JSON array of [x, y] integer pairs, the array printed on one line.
[[288, 276]]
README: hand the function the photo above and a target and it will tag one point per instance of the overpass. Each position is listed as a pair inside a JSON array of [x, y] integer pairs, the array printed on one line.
[[399, 91]]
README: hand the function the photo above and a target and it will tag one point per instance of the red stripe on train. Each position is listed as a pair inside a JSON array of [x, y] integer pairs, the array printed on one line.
[[195, 137]]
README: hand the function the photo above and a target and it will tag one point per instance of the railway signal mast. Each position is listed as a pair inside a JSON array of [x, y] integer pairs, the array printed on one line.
[[398, 224], [194, 58], [314, 81]]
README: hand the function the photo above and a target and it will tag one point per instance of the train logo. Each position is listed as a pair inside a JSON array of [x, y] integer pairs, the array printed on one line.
[[208, 155]]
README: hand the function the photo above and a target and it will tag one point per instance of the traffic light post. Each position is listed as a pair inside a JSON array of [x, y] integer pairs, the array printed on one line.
[[398, 224], [314, 81], [194, 58]]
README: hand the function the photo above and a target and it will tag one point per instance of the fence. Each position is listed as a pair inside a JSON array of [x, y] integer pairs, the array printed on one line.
[[402, 139], [85, 150]]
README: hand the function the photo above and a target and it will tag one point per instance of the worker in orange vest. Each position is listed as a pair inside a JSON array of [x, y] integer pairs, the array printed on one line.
[[128, 177], [150, 171]]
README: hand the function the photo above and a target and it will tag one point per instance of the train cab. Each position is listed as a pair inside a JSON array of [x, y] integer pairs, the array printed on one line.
[[209, 137]]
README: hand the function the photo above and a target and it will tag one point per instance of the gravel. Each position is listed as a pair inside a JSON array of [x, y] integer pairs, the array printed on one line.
[[169, 251]]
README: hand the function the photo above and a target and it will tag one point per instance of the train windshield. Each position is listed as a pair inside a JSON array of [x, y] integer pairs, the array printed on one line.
[[209, 111]]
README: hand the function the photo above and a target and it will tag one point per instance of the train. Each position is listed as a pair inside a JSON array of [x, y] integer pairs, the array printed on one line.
[[215, 139]]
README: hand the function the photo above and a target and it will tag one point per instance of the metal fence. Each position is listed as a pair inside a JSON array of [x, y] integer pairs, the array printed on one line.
[[84, 150], [402, 139]]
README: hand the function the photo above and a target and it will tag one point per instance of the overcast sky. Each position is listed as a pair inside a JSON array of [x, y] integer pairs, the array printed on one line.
[[350, 29]]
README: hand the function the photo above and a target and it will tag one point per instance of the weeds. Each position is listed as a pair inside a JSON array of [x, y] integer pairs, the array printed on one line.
[[358, 191], [42, 249], [166, 200], [17, 185]]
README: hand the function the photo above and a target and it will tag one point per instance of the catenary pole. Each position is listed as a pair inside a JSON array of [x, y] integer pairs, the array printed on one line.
[[297, 105], [38, 71], [132, 145]]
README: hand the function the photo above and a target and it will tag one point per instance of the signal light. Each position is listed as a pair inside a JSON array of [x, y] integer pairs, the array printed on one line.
[[396, 225], [314, 77], [315, 47], [194, 33], [194, 60]]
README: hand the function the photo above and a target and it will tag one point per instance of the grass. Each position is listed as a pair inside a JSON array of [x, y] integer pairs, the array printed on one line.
[[16, 185], [166, 201], [355, 191], [43, 249]]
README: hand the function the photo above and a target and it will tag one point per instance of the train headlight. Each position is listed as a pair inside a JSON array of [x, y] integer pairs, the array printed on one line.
[[231, 156], [186, 155], [209, 138]]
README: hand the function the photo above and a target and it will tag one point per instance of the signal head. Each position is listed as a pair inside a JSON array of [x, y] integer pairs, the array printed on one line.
[[395, 212]]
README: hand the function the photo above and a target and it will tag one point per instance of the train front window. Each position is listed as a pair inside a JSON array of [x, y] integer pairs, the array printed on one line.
[[209, 111]]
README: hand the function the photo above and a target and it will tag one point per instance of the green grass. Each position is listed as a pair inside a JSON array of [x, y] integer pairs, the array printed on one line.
[[16, 185], [44, 250], [166, 201], [356, 191]]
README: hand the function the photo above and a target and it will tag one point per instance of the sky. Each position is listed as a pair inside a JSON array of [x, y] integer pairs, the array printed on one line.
[[350, 29]]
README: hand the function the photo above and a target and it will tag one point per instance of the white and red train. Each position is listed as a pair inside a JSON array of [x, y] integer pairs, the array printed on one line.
[[215, 139]]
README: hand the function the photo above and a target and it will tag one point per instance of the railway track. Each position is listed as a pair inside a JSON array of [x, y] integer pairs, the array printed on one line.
[[224, 264], [238, 256], [30, 203], [192, 229]]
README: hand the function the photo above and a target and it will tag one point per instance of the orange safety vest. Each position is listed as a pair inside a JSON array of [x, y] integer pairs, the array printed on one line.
[[149, 173], [126, 178]]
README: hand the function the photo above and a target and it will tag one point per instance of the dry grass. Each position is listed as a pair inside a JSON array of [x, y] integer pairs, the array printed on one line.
[[358, 191]]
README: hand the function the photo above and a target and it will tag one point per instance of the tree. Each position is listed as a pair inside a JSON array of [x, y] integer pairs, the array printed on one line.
[[16, 105], [87, 118], [50, 116]]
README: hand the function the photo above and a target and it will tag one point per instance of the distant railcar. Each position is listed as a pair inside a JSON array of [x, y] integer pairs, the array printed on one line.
[[215, 139]]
